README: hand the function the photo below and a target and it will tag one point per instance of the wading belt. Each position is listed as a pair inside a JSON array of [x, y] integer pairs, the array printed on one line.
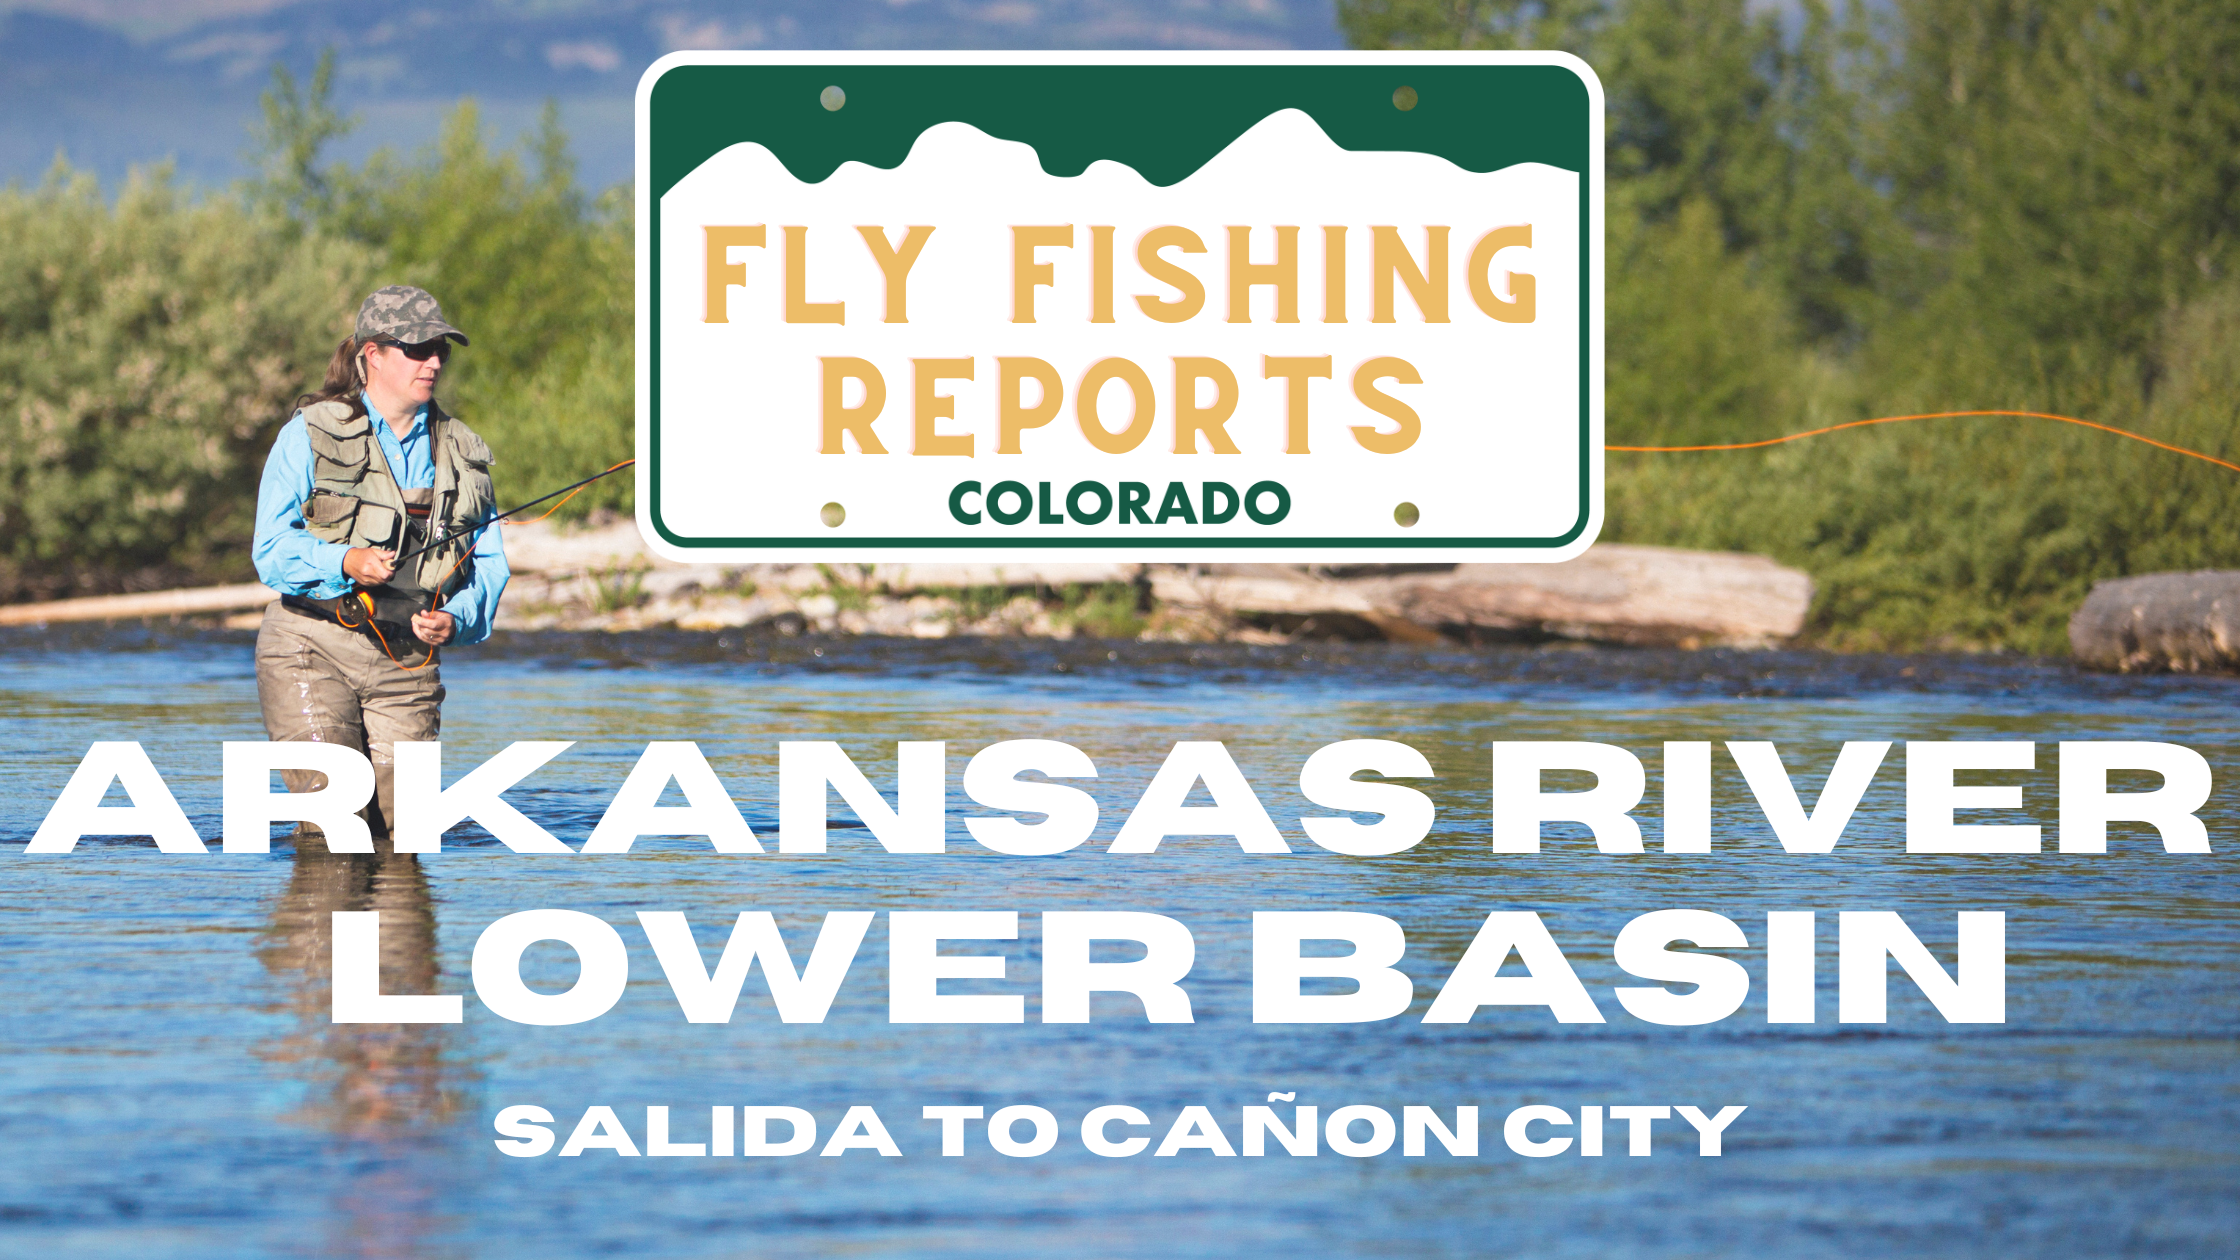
[[349, 612]]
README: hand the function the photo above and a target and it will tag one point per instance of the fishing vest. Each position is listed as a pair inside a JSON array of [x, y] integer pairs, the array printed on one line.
[[355, 500]]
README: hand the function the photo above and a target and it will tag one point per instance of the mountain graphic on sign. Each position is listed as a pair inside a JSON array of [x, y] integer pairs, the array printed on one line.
[[1287, 145]]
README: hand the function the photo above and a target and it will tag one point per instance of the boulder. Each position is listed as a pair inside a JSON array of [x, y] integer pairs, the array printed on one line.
[[2161, 622]]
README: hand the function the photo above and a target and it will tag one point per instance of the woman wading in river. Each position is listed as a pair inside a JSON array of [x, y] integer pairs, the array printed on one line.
[[368, 472]]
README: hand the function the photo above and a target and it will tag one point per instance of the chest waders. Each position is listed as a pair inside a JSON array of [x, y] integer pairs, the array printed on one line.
[[355, 500]]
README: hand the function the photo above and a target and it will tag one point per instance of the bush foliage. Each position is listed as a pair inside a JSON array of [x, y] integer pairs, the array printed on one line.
[[1815, 215], [151, 348], [148, 350], [1931, 205]]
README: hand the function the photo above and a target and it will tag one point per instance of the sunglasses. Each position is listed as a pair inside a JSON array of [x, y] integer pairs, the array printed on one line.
[[421, 351]]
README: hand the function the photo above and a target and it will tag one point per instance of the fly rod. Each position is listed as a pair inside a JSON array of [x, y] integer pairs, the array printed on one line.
[[481, 525]]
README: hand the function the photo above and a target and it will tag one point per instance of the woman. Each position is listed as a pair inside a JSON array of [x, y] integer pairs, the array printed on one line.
[[372, 523]]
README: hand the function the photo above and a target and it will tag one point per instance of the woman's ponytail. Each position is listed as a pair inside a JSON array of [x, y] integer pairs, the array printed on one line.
[[346, 379]]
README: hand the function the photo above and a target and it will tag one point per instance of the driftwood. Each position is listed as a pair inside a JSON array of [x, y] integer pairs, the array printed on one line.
[[1651, 596], [1613, 594], [192, 601], [2161, 622]]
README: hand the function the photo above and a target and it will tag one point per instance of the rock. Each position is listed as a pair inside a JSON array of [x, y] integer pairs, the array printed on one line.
[[2156, 622], [554, 547], [1651, 596]]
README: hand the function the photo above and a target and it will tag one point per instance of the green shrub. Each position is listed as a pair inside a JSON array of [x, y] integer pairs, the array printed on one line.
[[1108, 610], [1932, 205], [148, 353], [151, 348], [539, 277], [1935, 205]]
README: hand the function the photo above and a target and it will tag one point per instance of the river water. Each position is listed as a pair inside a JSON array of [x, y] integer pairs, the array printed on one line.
[[170, 1083]]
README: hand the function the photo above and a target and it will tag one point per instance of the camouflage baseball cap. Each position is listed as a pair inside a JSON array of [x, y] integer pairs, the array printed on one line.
[[400, 312]]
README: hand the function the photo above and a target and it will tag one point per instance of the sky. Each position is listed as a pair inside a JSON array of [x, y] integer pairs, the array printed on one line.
[[113, 84]]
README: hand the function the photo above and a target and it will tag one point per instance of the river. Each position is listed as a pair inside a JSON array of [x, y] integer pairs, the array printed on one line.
[[172, 1085]]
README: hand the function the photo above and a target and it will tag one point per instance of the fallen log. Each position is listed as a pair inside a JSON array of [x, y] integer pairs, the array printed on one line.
[[1652, 596], [179, 603], [543, 547], [1647, 596], [2161, 622]]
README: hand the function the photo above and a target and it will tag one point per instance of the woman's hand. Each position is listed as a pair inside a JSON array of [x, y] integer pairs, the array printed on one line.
[[369, 566], [433, 628]]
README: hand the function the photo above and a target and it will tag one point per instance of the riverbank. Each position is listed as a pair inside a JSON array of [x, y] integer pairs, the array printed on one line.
[[603, 578]]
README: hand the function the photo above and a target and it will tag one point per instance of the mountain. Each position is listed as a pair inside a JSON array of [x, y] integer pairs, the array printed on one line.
[[114, 83]]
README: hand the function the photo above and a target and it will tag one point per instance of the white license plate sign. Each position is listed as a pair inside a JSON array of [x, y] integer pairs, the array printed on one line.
[[1288, 307]]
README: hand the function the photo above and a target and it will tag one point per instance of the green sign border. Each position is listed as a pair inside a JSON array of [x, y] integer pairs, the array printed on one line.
[[1166, 120]]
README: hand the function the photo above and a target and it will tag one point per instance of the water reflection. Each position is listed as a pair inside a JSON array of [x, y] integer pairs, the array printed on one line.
[[2101, 1121], [384, 1090]]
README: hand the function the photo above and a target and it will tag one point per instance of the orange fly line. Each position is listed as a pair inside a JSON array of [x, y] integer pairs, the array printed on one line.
[[1935, 415]]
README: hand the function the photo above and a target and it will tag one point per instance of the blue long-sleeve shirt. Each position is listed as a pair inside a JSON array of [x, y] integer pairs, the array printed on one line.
[[292, 562]]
